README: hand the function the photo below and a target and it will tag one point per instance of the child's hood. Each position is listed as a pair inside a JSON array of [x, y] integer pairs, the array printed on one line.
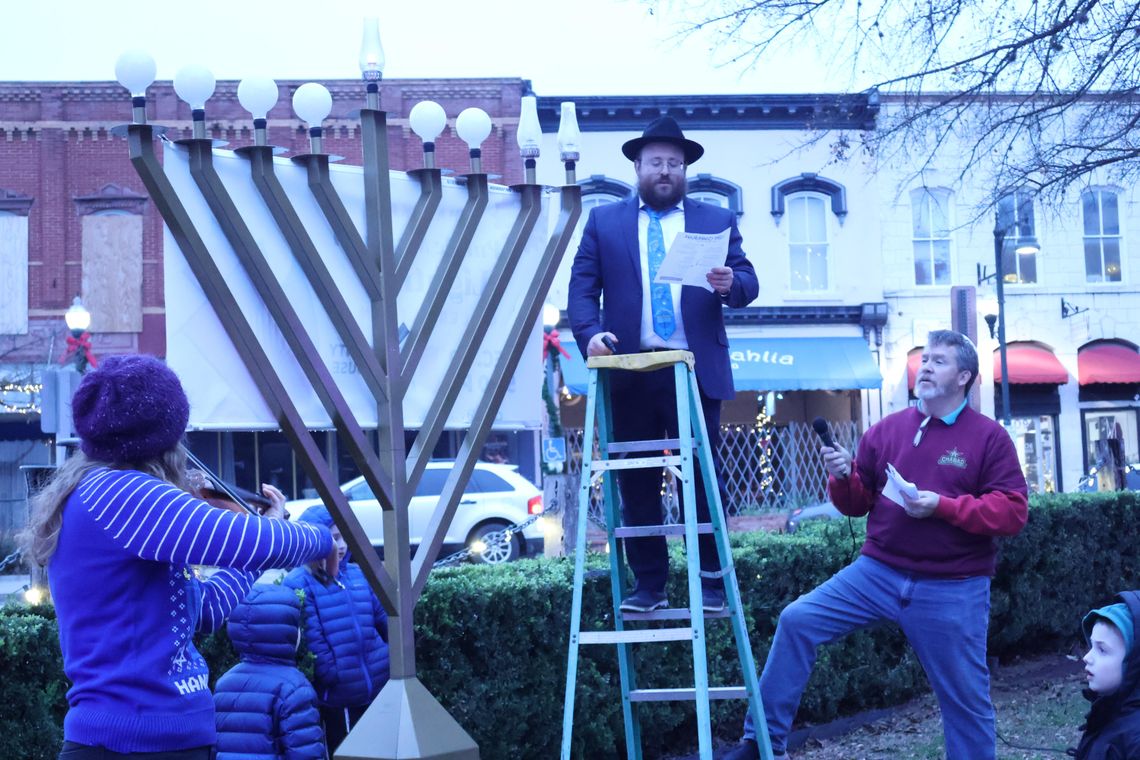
[[318, 514], [1127, 694], [263, 627]]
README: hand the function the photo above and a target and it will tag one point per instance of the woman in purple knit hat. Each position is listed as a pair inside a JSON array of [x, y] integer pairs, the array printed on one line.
[[119, 535]]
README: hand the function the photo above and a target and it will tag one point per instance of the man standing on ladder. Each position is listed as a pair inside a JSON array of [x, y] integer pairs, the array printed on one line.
[[930, 551], [622, 248]]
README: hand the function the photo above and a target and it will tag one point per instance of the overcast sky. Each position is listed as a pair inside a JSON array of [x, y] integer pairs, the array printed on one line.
[[574, 47]]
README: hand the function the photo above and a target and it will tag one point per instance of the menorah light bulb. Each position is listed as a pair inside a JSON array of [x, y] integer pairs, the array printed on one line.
[[135, 70], [257, 95], [428, 120], [313, 103], [473, 125], [194, 84]]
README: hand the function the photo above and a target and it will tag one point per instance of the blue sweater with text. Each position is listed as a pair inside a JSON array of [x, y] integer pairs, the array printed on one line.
[[128, 603]]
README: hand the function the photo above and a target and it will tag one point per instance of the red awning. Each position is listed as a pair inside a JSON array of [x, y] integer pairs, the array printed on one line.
[[1108, 362], [913, 362], [1030, 363]]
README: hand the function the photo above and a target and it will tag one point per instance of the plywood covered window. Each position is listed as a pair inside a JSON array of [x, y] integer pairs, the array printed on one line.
[[13, 273], [112, 253]]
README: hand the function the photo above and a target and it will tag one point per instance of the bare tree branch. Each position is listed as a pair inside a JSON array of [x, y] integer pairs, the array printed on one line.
[[1023, 93]]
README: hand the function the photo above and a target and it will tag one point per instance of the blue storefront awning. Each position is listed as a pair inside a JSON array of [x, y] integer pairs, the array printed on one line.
[[774, 364], [802, 364]]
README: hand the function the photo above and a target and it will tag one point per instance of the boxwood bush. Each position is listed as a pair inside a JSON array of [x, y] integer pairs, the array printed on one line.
[[492, 641]]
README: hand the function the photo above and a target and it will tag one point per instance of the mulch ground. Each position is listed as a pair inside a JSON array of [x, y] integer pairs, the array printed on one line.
[[1038, 703]]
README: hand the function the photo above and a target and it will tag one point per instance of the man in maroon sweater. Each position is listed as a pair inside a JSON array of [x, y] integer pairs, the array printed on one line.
[[927, 561]]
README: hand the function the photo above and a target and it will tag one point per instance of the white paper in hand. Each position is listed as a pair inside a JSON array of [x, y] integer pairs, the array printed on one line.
[[897, 486], [691, 257]]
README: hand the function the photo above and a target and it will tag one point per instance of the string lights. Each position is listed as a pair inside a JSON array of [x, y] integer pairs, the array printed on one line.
[[31, 406]]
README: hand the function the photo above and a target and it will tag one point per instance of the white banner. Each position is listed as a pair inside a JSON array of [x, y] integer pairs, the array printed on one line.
[[222, 394]]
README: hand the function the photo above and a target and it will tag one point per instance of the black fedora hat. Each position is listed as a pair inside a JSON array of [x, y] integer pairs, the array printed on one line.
[[664, 130]]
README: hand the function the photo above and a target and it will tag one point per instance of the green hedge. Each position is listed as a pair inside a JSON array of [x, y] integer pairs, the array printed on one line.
[[491, 642]]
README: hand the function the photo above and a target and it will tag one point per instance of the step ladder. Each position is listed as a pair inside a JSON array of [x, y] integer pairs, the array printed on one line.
[[678, 455]]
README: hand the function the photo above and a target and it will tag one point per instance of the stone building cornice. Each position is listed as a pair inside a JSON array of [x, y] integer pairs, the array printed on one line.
[[608, 113]]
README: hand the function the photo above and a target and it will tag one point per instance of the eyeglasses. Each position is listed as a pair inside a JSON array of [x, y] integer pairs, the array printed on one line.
[[659, 164], [921, 430]]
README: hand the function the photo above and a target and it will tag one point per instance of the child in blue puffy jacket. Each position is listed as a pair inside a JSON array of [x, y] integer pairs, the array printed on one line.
[[346, 628], [265, 709]]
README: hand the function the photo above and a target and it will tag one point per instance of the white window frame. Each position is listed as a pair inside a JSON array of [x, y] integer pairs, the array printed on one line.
[[1020, 227], [1100, 237], [926, 197], [824, 204]]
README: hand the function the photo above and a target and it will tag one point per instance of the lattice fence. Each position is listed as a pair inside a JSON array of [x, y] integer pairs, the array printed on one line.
[[771, 468]]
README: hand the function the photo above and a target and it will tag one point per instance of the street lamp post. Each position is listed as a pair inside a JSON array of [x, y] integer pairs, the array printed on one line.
[[999, 275], [78, 320], [1026, 245]]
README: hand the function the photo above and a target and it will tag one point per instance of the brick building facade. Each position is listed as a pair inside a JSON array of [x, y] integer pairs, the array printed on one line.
[[75, 219], [60, 163]]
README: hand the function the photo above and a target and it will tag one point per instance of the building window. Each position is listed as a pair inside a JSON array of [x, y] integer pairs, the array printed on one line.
[[1019, 250], [597, 190], [112, 249], [600, 184], [1035, 440], [930, 221], [1102, 236], [14, 210], [13, 273], [1110, 445], [809, 182], [718, 192], [807, 242]]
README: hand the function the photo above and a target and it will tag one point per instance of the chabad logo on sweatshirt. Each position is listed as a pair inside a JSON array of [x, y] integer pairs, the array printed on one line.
[[953, 458]]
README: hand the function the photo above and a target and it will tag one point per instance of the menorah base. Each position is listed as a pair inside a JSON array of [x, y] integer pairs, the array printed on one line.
[[405, 722]]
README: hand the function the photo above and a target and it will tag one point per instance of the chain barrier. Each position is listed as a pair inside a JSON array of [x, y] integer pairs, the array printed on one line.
[[491, 540], [10, 560]]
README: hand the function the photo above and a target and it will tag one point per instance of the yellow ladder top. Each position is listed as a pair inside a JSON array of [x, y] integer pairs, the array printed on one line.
[[644, 362]]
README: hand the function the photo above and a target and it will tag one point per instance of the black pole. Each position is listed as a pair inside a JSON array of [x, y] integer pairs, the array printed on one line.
[[999, 275]]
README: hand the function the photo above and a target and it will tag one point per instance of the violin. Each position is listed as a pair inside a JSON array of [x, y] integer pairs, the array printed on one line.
[[211, 489]]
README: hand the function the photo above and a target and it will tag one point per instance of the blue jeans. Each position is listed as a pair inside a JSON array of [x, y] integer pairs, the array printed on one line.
[[945, 622]]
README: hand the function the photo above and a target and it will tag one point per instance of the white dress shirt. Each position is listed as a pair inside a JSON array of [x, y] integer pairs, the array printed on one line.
[[672, 222]]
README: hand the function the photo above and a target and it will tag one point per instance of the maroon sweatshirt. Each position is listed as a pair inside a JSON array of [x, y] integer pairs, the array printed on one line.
[[973, 467]]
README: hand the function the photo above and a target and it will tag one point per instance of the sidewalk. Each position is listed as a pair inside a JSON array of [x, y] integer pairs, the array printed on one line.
[[11, 585]]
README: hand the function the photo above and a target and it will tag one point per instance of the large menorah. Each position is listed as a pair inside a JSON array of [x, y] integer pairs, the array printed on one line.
[[243, 221]]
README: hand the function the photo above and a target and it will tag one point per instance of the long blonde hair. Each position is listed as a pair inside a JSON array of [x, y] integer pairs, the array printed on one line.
[[42, 534]]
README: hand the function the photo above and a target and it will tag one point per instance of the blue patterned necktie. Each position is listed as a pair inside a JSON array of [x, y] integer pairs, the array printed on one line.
[[661, 296]]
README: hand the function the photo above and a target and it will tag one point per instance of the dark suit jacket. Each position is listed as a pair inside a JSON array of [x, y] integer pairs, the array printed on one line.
[[608, 260]]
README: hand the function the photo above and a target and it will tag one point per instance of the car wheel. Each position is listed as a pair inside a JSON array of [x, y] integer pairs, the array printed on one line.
[[496, 552]]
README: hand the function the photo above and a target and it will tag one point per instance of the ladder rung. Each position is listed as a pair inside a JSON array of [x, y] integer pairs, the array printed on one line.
[[680, 695], [624, 447], [673, 613], [635, 637], [639, 531], [634, 463]]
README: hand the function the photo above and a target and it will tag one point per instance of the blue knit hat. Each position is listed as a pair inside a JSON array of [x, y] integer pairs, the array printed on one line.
[[1117, 614], [131, 409]]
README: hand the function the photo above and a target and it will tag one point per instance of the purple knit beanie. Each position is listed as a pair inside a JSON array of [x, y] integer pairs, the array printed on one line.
[[131, 409]]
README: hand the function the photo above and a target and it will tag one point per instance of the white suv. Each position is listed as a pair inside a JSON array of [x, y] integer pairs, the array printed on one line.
[[497, 497]]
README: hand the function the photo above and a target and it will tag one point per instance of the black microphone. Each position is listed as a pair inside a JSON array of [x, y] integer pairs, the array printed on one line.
[[824, 433], [609, 344]]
